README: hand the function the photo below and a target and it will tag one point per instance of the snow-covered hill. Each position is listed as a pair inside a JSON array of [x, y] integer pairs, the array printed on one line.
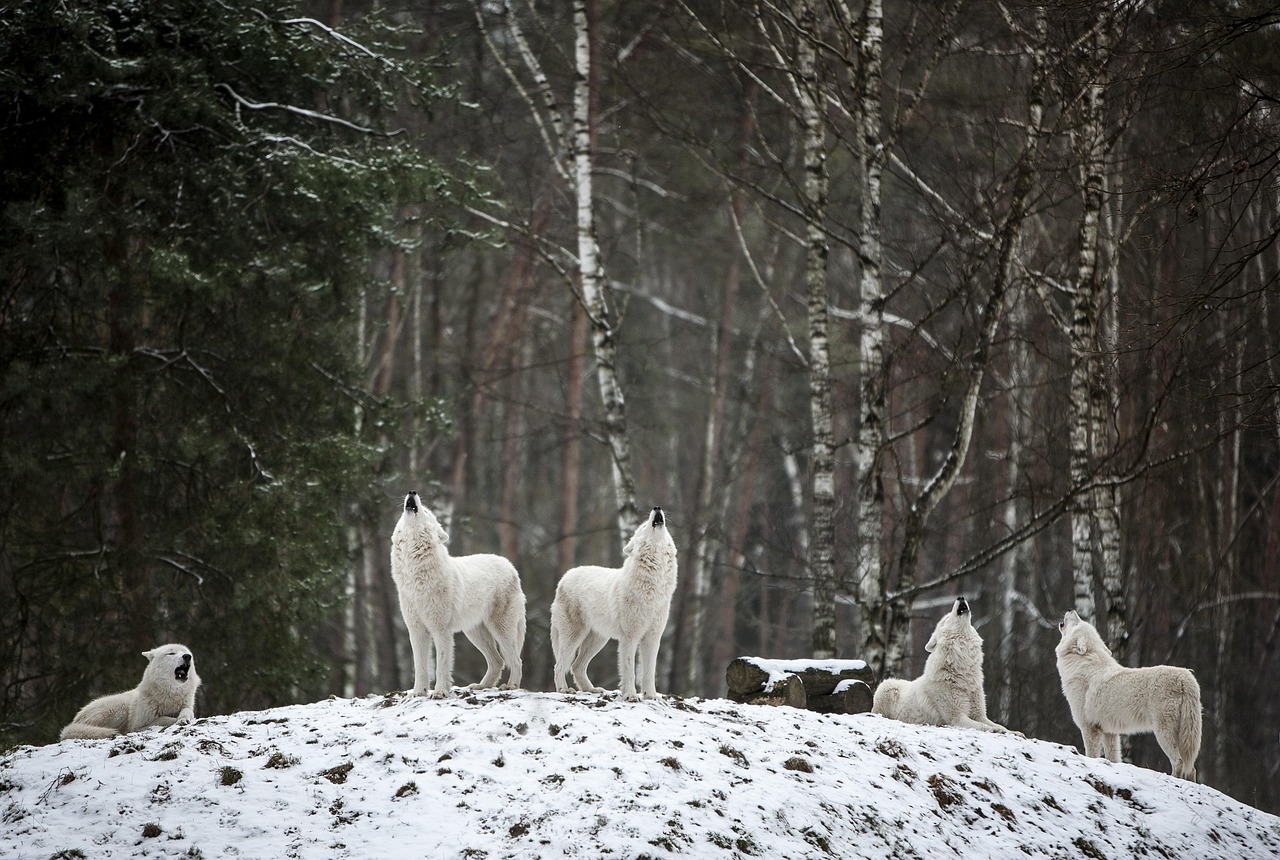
[[538, 775]]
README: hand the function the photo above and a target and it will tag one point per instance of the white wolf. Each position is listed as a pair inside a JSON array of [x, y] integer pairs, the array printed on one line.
[[167, 695], [630, 604], [949, 693], [440, 595], [1108, 700]]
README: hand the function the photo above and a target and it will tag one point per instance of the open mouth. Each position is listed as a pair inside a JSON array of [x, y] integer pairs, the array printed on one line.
[[182, 672], [963, 607], [657, 517], [411, 502]]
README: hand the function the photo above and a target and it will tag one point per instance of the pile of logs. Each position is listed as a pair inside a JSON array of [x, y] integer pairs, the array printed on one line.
[[825, 686]]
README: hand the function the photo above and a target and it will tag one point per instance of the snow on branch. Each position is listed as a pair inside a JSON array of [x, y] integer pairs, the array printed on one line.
[[310, 114]]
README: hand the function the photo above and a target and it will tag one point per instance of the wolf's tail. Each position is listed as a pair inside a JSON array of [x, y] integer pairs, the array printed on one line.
[[1189, 724]]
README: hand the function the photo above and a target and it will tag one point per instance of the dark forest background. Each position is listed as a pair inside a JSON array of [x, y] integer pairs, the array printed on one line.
[[891, 304]]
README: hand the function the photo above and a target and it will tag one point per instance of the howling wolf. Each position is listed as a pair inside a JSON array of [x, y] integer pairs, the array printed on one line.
[[167, 695], [1107, 700], [440, 595], [630, 604], [949, 693]]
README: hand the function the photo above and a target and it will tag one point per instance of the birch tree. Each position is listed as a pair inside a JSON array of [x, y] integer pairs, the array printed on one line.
[[573, 157], [1095, 513], [822, 445], [870, 582]]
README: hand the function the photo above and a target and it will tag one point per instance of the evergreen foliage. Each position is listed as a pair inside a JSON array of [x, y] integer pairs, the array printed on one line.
[[191, 192]]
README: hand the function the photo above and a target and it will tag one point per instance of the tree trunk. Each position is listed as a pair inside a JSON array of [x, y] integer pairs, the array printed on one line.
[[571, 452], [822, 462], [1085, 319], [592, 274], [871, 584]]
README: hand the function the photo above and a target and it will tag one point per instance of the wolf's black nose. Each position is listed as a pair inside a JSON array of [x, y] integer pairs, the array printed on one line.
[[186, 658], [657, 517]]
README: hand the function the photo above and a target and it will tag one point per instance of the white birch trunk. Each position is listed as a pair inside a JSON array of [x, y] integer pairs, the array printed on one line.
[[822, 465], [592, 284], [1084, 334], [871, 584], [1103, 415]]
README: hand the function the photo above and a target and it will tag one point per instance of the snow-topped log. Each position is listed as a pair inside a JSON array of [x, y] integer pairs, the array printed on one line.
[[825, 686]]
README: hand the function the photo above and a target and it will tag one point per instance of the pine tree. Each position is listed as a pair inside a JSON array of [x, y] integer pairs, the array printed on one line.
[[190, 192]]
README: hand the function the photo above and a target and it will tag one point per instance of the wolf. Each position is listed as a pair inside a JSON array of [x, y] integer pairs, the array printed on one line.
[[167, 695], [631, 603], [1108, 700], [950, 692], [440, 595]]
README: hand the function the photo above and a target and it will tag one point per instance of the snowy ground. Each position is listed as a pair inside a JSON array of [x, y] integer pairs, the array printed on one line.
[[539, 775]]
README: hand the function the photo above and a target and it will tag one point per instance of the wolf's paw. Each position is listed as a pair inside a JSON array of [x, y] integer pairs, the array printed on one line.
[[437, 694], [632, 696]]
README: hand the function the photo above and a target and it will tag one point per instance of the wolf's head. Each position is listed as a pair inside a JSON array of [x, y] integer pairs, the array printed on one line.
[[419, 523], [651, 535], [172, 665], [1079, 637], [955, 622]]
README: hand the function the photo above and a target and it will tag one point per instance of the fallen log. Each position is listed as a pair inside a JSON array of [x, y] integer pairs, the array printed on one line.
[[825, 686]]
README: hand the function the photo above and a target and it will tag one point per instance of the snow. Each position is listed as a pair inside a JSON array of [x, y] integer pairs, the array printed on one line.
[[533, 775], [779, 670]]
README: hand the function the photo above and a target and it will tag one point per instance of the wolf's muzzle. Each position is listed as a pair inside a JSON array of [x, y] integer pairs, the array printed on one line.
[[962, 606], [411, 502], [657, 517], [183, 671]]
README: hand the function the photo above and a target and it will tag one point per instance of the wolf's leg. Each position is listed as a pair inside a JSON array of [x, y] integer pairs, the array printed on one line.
[[627, 646], [482, 638], [1111, 747], [589, 647], [966, 722], [510, 638], [1092, 736], [444, 664], [563, 646], [420, 643], [649, 663], [1181, 764]]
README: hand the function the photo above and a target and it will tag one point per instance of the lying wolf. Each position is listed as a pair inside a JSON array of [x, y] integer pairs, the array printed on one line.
[[950, 692], [1108, 700], [167, 695]]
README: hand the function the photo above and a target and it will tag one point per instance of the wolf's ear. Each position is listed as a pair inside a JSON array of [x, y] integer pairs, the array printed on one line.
[[1078, 645], [150, 655], [442, 535], [932, 643], [629, 548]]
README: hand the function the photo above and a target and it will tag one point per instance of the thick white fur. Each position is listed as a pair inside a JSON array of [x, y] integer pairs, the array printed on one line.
[[1108, 700], [949, 693], [630, 604], [162, 699], [440, 595]]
